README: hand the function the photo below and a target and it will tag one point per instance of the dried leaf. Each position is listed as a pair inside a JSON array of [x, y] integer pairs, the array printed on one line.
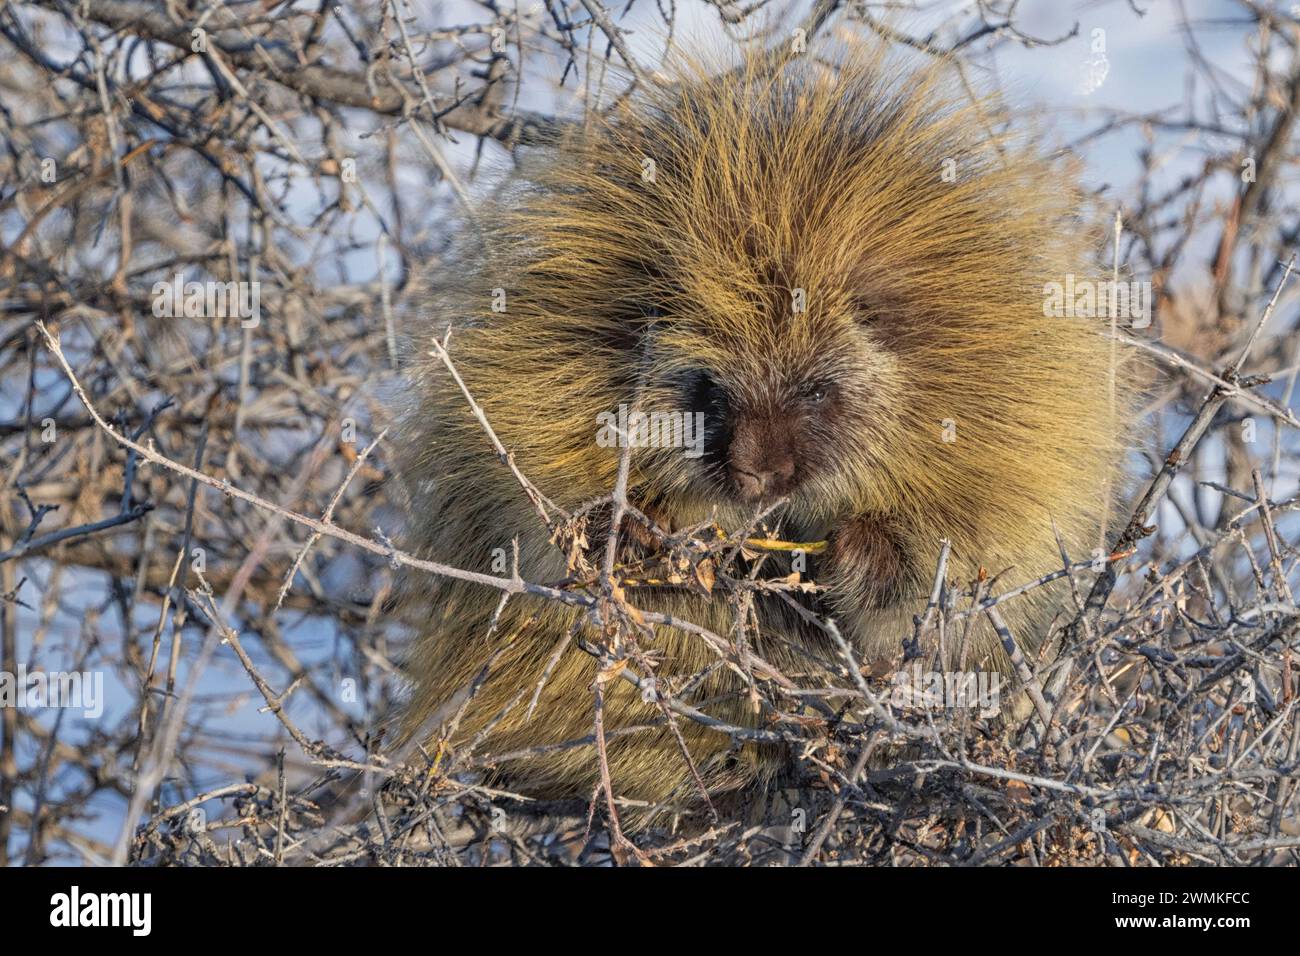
[[704, 575], [611, 672]]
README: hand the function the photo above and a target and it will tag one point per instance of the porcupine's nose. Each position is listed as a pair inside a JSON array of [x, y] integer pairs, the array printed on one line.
[[755, 485], [760, 456]]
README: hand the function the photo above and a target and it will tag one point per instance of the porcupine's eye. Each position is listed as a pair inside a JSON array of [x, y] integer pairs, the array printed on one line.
[[815, 393]]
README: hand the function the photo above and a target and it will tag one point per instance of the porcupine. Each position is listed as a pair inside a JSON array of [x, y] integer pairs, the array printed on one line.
[[844, 270]]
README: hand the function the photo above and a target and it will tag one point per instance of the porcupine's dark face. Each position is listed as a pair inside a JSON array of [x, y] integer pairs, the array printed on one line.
[[789, 421], [764, 446]]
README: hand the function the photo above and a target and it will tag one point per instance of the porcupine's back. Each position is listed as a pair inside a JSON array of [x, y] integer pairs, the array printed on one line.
[[699, 210]]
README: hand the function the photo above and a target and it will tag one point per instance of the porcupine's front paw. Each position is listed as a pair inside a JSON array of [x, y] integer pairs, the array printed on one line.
[[865, 565], [867, 574], [638, 542]]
